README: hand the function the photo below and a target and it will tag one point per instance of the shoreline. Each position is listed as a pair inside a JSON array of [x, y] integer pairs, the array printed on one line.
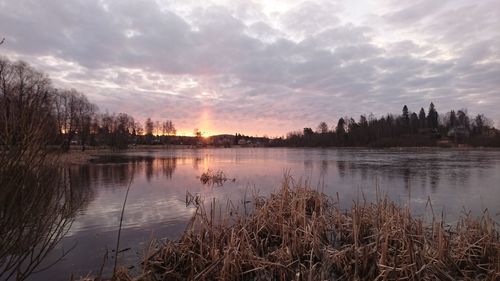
[[75, 156]]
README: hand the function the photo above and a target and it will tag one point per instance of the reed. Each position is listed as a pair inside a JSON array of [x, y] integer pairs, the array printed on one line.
[[214, 178], [299, 233]]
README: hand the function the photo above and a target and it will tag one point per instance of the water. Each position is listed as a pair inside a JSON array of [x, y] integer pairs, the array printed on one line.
[[454, 180]]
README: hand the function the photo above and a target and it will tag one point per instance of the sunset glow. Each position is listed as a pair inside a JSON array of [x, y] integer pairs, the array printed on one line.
[[236, 136], [261, 67]]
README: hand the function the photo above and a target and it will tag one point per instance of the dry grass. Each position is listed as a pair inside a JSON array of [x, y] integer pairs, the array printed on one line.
[[301, 234], [214, 178]]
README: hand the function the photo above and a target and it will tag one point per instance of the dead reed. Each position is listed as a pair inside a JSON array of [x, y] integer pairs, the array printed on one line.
[[301, 234], [214, 178]]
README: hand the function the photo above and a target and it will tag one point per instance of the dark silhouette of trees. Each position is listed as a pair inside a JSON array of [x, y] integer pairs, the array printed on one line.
[[148, 130], [340, 126], [31, 108], [32, 111], [74, 115], [340, 131], [322, 128], [168, 128], [148, 127], [406, 117], [407, 129], [123, 127], [157, 128], [452, 119], [432, 117], [422, 119], [481, 123], [414, 123], [26, 116], [463, 119], [308, 132], [37, 202]]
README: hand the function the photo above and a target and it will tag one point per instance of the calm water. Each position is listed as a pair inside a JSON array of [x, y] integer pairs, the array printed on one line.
[[453, 179]]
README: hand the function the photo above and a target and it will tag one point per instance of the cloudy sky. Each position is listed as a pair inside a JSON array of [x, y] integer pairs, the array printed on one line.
[[262, 67]]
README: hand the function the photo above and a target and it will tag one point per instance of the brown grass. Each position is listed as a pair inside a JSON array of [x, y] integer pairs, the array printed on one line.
[[214, 178], [301, 234]]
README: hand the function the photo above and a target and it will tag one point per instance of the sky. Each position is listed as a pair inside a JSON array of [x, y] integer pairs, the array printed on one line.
[[262, 67]]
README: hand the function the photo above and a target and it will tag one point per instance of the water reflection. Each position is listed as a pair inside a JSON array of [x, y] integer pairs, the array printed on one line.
[[414, 169], [410, 168], [323, 168], [161, 179], [35, 214], [117, 169], [341, 166]]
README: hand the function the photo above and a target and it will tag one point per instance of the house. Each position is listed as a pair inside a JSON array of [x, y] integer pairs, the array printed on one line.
[[222, 140], [459, 132]]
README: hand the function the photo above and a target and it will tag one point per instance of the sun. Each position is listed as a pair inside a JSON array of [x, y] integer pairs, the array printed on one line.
[[207, 133]]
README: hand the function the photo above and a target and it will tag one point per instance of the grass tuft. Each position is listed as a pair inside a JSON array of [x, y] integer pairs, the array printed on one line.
[[214, 178], [301, 234]]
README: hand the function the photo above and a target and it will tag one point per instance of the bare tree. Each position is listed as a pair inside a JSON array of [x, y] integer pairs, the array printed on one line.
[[168, 128], [124, 127], [322, 128], [35, 200], [139, 130], [85, 113], [74, 114], [25, 106]]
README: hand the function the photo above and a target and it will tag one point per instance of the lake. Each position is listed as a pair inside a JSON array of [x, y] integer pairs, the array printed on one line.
[[454, 181]]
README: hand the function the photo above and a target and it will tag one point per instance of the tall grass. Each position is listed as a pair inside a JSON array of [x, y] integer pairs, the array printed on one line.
[[301, 234]]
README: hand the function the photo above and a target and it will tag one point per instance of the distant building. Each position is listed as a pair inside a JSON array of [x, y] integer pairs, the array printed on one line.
[[222, 140], [459, 133], [491, 132]]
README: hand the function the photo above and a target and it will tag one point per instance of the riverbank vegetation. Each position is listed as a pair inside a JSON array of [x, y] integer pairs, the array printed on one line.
[[301, 234], [38, 199], [28, 99], [407, 129]]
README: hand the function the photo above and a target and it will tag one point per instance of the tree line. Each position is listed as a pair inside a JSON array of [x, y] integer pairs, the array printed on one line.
[[33, 111], [406, 129]]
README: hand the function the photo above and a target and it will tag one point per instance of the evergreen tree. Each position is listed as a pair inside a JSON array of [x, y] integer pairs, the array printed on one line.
[[340, 127], [432, 117], [422, 118], [414, 122], [406, 115]]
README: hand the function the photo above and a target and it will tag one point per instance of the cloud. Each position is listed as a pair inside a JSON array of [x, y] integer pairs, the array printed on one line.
[[272, 68]]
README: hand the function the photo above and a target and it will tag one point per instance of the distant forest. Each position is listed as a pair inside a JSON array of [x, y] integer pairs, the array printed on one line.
[[33, 111], [406, 129]]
